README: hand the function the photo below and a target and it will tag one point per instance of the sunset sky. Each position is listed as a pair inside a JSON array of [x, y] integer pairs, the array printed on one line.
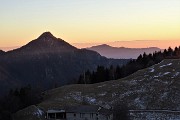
[[90, 21]]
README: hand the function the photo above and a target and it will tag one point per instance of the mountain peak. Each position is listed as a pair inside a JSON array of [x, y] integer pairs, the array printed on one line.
[[104, 45], [47, 43], [101, 46], [46, 36]]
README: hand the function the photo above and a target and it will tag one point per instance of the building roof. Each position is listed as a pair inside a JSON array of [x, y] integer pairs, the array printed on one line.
[[83, 109], [55, 111]]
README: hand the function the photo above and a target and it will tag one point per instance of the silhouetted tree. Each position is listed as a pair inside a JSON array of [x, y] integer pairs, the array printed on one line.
[[18, 99]]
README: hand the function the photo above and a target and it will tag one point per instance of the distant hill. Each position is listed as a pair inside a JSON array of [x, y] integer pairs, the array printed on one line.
[[121, 52], [2, 52], [47, 62], [134, 43], [147, 43], [9, 48], [153, 88]]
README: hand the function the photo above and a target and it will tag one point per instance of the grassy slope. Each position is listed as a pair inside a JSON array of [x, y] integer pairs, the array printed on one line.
[[29, 113], [157, 87]]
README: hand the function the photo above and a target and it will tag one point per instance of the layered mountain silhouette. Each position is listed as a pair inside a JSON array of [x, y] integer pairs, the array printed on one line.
[[47, 62], [122, 52]]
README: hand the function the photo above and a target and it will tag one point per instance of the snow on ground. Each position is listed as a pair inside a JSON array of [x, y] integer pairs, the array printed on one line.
[[164, 82], [152, 115], [164, 95], [90, 99], [161, 74], [151, 70], [114, 94], [166, 65], [38, 113], [128, 93], [166, 73], [139, 103], [80, 98], [102, 94], [101, 86], [76, 96], [133, 82], [115, 85], [175, 75]]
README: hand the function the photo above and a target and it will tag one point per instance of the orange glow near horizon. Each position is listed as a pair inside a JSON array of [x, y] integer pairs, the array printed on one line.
[[100, 21], [162, 44]]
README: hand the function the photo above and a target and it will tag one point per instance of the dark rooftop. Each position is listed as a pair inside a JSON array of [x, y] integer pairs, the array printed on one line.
[[86, 109]]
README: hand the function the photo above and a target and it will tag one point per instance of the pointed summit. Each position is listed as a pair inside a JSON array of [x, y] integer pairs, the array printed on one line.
[[46, 43], [46, 36]]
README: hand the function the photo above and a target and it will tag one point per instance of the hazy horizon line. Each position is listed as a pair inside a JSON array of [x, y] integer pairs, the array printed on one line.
[[88, 45]]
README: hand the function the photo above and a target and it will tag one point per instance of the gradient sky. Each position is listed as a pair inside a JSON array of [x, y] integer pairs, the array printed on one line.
[[89, 21]]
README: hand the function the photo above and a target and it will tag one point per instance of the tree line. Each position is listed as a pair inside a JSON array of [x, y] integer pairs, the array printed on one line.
[[18, 99], [102, 74]]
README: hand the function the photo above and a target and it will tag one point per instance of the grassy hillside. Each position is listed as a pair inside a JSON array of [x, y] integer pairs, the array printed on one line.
[[157, 87]]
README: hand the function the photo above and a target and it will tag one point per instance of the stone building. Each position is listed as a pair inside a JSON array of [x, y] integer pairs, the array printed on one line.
[[80, 113]]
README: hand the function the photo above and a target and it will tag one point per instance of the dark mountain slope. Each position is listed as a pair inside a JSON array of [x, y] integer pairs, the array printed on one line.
[[48, 62], [121, 52], [2, 52], [45, 43]]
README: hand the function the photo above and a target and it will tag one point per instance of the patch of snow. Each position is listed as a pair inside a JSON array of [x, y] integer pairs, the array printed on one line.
[[133, 82], [128, 93], [166, 65], [156, 76], [160, 74], [115, 85], [166, 73], [76, 95], [139, 103], [164, 82], [38, 113], [114, 94], [102, 94], [107, 106], [90, 99], [154, 115], [164, 95], [66, 97], [151, 70], [176, 74], [101, 86]]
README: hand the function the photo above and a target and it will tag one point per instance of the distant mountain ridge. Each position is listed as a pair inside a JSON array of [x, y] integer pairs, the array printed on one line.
[[47, 62], [162, 44], [121, 52]]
